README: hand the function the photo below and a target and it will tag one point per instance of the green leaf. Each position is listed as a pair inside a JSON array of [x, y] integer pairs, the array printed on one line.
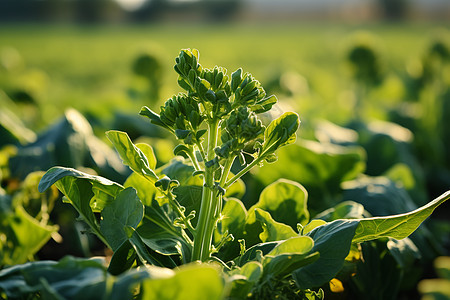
[[87, 193], [321, 168], [288, 256], [158, 232], [122, 259], [131, 155], [343, 210], [104, 190], [272, 230], [264, 104], [285, 200], [311, 225], [232, 218], [148, 256], [243, 279], [397, 226], [196, 282], [251, 253], [333, 242], [70, 278], [280, 132], [125, 211], [232, 221], [29, 235], [146, 190], [154, 117]]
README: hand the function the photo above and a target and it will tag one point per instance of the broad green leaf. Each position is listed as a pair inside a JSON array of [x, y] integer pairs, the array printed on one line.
[[146, 190], [195, 282], [379, 195], [298, 244], [149, 153], [132, 155], [333, 242], [158, 232], [232, 221], [13, 129], [343, 210], [272, 230], [70, 278], [397, 226], [148, 256], [73, 278], [321, 168], [285, 200], [85, 192], [179, 169], [29, 234], [383, 197], [125, 211], [122, 259], [280, 132], [288, 256], [311, 225], [283, 265], [243, 279], [104, 190], [190, 197], [56, 173], [251, 253], [78, 192], [69, 142]]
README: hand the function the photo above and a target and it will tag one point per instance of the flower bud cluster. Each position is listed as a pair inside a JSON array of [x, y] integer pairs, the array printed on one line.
[[239, 129], [246, 89], [181, 113]]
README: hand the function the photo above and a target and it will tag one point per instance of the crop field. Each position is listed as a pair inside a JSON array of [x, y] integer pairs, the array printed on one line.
[[167, 164]]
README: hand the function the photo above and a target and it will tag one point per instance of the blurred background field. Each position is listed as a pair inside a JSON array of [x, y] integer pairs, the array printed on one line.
[[378, 72], [89, 67]]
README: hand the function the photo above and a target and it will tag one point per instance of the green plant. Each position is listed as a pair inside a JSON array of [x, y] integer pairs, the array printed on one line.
[[187, 211]]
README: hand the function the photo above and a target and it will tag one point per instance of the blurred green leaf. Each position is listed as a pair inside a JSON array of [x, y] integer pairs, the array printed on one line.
[[29, 235], [321, 168], [196, 282]]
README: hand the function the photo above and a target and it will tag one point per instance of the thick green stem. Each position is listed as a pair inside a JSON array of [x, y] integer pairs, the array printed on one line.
[[206, 221]]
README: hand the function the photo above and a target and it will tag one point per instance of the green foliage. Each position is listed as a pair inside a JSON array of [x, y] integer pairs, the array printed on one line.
[[180, 229], [21, 213]]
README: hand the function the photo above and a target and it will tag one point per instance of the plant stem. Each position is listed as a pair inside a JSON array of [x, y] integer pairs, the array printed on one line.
[[194, 160], [176, 206], [242, 172], [206, 221], [226, 170]]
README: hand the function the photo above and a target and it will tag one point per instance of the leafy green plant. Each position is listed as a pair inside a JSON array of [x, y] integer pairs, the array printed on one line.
[[188, 211], [24, 211]]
